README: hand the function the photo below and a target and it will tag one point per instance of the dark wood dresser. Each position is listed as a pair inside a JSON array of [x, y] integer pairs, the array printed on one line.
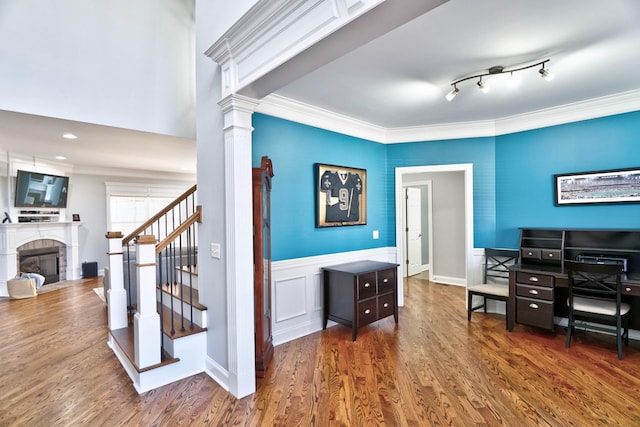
[[359, 293]]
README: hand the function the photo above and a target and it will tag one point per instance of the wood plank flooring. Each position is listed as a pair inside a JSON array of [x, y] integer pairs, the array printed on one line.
[[433, 368]]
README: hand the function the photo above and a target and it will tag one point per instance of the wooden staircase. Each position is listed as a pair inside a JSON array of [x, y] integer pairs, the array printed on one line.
[[161, 337]]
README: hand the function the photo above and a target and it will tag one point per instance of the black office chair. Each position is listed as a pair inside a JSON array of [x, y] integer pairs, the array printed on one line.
[[595, 300], [495, 282]]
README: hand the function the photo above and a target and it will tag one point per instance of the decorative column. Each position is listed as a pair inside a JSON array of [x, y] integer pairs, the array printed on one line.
[[237, 112], [116, 295], [146, 322], [8, 262]]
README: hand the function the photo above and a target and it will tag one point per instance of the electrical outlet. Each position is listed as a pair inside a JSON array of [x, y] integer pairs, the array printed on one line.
[[215, 250], [376, 234]]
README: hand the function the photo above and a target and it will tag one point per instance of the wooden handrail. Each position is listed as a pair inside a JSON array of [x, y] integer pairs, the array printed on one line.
[[196, 217], [157, 216]]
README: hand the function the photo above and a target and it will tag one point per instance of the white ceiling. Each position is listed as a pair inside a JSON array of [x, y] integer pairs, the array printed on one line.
[[400, 79]]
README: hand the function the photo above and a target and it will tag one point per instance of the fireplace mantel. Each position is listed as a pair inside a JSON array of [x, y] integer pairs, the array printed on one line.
[[13, 235]]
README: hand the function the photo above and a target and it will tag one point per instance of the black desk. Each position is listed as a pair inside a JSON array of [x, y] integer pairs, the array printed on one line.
[[537, 292]]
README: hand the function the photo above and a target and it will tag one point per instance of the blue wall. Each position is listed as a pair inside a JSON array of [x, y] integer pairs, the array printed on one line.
[[527, 161], [479, 152], [512, 174], [294, 149]]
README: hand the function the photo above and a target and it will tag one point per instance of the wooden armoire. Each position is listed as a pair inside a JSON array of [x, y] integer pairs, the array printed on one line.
[[262, 263]]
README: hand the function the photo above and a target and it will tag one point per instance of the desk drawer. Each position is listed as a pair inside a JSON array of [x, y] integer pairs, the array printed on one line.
[[530, 253], [631, 290], [534, 312], [537, 292], [386, 280], [367, 312], [385, 305], [366, 285], [534, 279], [550, 255]]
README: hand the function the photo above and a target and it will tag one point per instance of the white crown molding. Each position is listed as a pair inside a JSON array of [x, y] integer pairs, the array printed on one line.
[[619, 103], [289, 109]]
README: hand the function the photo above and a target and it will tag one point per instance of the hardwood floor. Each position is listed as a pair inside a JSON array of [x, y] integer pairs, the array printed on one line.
[[434, 368]]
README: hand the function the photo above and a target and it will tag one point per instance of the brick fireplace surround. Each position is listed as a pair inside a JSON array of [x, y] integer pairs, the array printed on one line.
[[14, 235]]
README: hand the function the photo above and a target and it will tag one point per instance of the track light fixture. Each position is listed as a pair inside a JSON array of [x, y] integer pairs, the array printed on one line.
[[484, 87]]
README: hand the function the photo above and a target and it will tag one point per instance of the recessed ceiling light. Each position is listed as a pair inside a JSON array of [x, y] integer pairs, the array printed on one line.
[[69, 136], [61, 158]]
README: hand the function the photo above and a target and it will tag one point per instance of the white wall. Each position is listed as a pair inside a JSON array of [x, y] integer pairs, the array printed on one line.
[[120, 63]]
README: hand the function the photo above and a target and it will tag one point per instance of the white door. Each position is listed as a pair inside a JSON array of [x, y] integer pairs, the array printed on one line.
[[414, 231]]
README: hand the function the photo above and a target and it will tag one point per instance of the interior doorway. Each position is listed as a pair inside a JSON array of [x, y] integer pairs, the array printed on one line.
[[417, 217], [452, 237]]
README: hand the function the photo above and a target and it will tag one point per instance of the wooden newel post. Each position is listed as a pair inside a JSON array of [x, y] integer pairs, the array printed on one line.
[[116, 295], [146, 321]]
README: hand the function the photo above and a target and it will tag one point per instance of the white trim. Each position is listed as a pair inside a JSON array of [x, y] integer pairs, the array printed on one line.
[[289, 109], [467, 169], [237, 111]]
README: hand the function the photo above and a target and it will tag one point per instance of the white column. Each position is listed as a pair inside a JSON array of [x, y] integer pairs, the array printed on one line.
[[237, 112], [8, 262], [73, 251], [146, 322], [116, 295]]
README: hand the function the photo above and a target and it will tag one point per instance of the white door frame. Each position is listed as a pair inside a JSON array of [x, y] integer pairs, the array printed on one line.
[[400, 174]]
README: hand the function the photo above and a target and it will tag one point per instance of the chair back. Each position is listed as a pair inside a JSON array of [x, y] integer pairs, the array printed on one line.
[[497, 263], [594, 280]]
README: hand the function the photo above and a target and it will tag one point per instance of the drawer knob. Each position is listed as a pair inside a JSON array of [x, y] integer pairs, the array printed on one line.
[[367, 311], [628, 289], [534, 306], [550, 255], [366, 285], [530, 253], [533, 292], [533, 279], [385, 280], [385, 305]]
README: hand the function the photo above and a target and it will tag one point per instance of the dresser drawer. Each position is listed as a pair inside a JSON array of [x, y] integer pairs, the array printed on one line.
[[386, 280], [385, 305], [631, 290], [551, 255], [530, 253], [367, 311], [537, 292], [534, 279], [534, 312], [366, 285]]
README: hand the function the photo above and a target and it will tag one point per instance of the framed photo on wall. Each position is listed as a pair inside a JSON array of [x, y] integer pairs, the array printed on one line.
[[606, 186], [341, 196]]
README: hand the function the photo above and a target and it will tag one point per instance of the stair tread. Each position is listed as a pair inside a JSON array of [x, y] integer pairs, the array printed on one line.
[[124, 337], [183, 290], [167, 314]]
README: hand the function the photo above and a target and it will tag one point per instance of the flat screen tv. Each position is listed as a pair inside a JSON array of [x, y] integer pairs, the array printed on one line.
[[39, 190]]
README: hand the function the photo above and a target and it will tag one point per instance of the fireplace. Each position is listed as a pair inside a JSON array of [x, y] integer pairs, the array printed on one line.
[[59, 236], [44, 261]]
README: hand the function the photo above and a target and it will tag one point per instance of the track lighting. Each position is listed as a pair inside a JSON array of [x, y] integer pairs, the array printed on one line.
[[546, 74], [484, 87], [452, 94]]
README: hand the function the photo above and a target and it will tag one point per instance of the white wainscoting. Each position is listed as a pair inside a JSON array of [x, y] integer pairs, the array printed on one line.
[[297, 291]]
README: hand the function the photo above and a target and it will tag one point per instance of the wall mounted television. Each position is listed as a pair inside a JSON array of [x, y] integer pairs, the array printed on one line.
[[39, 190]]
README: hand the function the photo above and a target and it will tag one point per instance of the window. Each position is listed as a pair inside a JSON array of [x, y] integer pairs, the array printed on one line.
[[130, 205]]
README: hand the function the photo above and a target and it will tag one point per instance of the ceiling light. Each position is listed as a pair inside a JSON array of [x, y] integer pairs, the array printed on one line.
[[69, 136], [498, 69], [61, 158], [484, 87], [453, 93], [546, 74]]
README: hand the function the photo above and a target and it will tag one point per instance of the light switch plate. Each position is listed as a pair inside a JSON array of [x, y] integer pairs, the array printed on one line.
[[215, 250], [376, 234]]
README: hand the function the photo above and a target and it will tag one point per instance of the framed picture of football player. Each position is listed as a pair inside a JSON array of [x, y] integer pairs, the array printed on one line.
[[341, 196]]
